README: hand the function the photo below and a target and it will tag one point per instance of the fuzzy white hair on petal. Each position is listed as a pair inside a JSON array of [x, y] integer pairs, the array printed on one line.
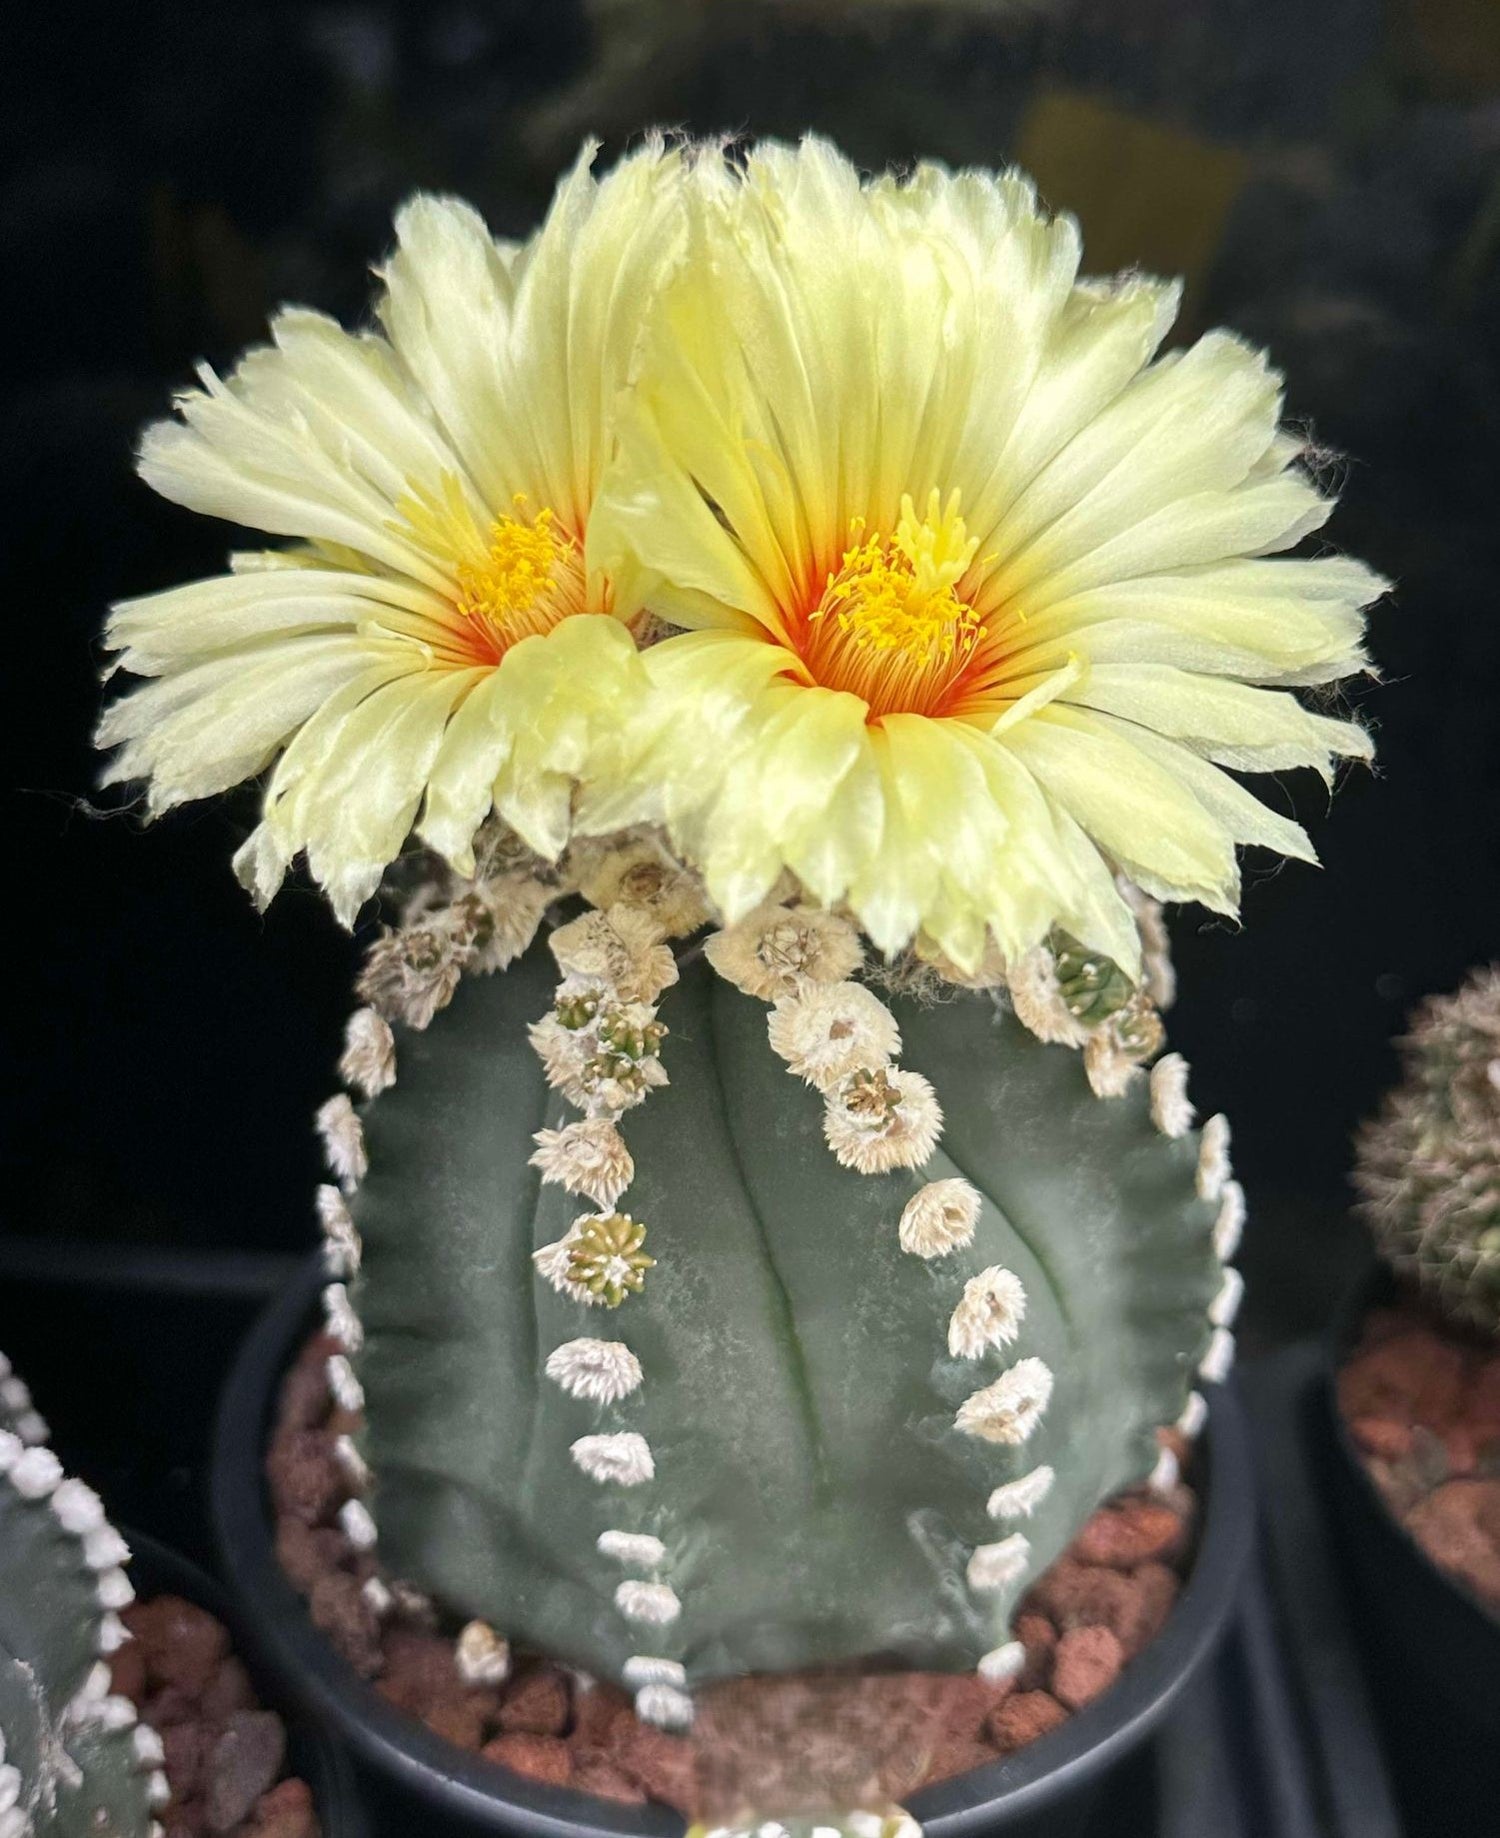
[[939, 1218], [640, 1550], [657, 1603], [622, 1458], [997, 1566], [1019, 1499], [989, 1313], [601, 1371], [1171, 1110], [343, 1141], [1008, 1410]]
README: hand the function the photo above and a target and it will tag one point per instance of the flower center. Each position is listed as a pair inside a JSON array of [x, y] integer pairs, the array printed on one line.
[[516, 577], [890, 626], [515, 588]]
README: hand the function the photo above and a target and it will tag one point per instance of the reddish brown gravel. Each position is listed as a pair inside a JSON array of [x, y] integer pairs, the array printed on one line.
[[1082, 1622], [1423, 1406], [223, 1753]]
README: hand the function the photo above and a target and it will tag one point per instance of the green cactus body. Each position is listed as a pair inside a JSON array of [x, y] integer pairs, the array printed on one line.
[[74, 1762], [801, 1442], [1429, 1165]]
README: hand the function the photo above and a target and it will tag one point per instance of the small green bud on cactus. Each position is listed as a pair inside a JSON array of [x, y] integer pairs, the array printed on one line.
[[1428, 1166]]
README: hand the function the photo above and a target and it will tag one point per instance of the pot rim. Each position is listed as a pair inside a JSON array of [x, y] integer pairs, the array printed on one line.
[[490, 1796], [1377, 1284], [156, 1568]]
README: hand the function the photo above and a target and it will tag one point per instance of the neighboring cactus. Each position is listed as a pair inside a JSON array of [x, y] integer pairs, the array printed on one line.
[[1429, 1165], [836, 1364], [74, 1760]]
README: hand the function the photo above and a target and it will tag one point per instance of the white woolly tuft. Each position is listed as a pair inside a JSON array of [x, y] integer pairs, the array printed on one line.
[[341, 1245], [1218, 1361], [357, 1525], [95, 1686], [1166, 1474], [148, 1746], [1213, 1158], [158, 1789], [105, 1549], [1171, 1111], [600, 1371], [1194, 1416], [997, 1566], [638, 1549], [1002, 1663], [1010, 1409], [369, 1059], [79, 1509], [114, 1713], [645, 1669], [1226, 1304], [112, 1634], [1229, 1227], [378, 1597], [826, 1030], [622, 1458], [657, 1603], [11, 1450], [586, 1157], [35, 1473], [903, 1135], [665, 1706], [1019, 1499], [989, 1313], [939, 1218], [347, 1391], [113, 1590], [343, 1141], [352, 1465], [481, 1655], [339, 1316]]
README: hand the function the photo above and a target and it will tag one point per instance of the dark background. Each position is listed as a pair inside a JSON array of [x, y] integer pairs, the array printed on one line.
[[1328, 177]]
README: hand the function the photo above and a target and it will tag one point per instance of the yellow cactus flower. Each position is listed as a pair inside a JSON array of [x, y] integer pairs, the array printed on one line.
[[415, 660], [978, 586]]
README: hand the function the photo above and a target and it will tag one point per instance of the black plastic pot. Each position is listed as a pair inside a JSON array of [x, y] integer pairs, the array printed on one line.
[[1434, 1647], [311, 1755], [421, 1783]]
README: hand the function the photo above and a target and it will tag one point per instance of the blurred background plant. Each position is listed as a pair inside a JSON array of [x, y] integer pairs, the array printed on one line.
[[1325, 177]]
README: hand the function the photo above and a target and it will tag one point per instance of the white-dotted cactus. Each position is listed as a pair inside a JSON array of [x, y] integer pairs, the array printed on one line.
[[74, 1760], [712, 1312]]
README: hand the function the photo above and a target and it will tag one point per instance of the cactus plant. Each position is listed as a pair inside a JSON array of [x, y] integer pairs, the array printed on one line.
[[755, 1238], [782, 1382], [1428, 1167], [74, 1761]]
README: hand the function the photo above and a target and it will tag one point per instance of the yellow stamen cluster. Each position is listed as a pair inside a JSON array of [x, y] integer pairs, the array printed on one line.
[[508, 590], [890, 625]]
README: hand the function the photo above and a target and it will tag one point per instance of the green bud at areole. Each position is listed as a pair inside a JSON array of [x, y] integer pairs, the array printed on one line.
[[1092, 986]]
